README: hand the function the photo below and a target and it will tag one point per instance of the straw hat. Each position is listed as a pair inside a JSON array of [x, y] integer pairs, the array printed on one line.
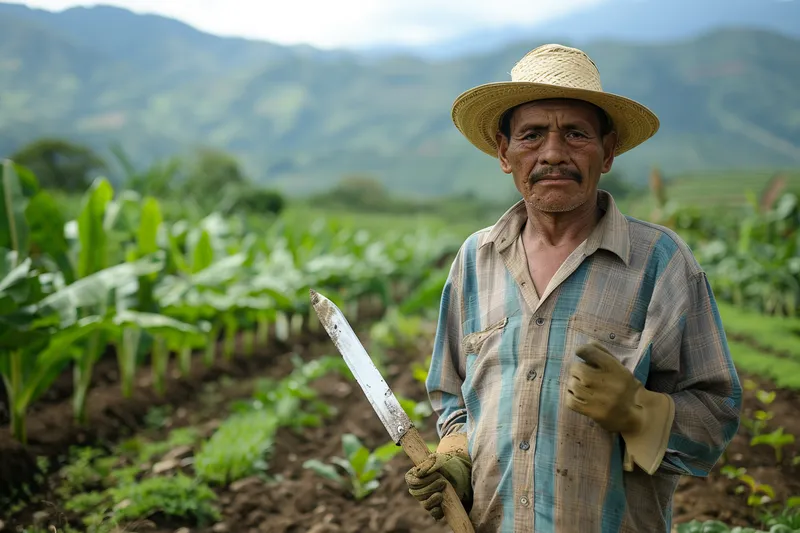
[[549, 71]]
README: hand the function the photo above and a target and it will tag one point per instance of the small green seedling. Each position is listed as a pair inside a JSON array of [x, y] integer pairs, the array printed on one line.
[[359, 471], [758, 423], [760, 494], [761, 417], [732, 472], [777, 439]]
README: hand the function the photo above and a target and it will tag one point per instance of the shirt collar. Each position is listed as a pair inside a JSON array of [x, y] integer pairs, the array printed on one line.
[[611, 233]]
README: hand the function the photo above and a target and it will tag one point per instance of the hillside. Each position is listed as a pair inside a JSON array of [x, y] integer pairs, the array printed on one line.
[[301, 118]]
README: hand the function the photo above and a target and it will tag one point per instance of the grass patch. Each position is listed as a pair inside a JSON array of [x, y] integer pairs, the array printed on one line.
[[725, 188], [777, 335], [242, 444], [238, 449], [785, 373], [108, 490]]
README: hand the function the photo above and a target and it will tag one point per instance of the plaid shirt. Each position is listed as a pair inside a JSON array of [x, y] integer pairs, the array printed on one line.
[[501, 359]]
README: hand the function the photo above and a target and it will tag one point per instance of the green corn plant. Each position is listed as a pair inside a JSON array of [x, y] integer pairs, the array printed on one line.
[[90, 296], [169, 335], [32, 350]]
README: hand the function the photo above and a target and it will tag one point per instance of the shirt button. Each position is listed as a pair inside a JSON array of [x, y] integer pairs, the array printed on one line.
[[539, 321], [531, 375], [612, 336], [524, 500], [524, 445]]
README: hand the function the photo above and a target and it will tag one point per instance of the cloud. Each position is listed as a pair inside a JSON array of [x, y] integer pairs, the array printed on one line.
[[343, 23]]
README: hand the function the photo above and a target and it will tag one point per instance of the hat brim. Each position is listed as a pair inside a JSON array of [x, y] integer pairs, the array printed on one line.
[[477, 112]]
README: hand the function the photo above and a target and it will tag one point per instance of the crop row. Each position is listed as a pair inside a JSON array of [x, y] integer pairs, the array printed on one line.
[[751, 254], [120, 276]]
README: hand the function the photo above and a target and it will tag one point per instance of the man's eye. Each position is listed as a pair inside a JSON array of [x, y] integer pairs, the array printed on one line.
[[577, 134]]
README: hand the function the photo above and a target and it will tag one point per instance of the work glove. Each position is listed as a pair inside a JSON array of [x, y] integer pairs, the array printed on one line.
[[450, 463], [601, 388]]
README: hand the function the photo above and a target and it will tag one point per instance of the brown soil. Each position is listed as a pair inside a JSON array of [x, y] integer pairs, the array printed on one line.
[[51, 430], [714, 497], [303, 502]]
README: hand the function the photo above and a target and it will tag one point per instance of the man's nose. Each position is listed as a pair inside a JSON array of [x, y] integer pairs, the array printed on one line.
[[554, 149]]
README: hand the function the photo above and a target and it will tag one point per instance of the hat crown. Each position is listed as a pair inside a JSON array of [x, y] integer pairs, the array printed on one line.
[[556, 64]]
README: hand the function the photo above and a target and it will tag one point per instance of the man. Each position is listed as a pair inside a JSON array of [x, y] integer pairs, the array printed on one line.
[[580, 366]]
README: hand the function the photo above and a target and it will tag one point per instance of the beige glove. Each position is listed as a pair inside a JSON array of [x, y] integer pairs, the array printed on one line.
[[608, 393], [450, 463]]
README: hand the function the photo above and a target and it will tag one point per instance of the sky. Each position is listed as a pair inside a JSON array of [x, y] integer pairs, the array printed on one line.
[[341, 23]]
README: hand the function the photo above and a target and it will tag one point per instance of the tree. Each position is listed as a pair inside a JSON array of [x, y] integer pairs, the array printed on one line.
[[358, 192], [212, 172], [60, 164], [259, 200]]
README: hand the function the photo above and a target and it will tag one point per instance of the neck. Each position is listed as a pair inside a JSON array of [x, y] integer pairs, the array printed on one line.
[[554, 230]]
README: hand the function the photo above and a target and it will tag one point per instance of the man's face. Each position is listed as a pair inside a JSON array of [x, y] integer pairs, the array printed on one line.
[[556, 153]]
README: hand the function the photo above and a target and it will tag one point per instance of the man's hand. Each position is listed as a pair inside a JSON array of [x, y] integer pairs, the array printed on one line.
[[608, 393], [450, 463]]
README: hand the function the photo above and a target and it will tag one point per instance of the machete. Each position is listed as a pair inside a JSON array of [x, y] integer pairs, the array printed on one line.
[[384, 402]]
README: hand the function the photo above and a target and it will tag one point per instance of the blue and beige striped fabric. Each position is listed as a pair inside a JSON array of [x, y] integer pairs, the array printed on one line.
[[501, 359]]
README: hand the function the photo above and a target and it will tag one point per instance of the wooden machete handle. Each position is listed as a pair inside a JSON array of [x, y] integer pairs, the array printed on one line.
[[454, 513]]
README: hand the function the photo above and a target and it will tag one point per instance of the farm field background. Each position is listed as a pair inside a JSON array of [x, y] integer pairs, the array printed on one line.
[[164, 372]]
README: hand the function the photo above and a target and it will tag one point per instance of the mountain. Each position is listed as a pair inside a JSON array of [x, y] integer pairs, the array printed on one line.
[[639, 21], [300, 118]]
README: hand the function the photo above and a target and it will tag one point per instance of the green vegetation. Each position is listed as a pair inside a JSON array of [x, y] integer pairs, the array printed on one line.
[[158, 279], [241, 445], [729, 188], [359, 470], [128, 278]]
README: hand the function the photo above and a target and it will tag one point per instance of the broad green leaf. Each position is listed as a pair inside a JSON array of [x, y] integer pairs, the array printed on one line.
[[359, 460], [47, 232], [16, 274], [14, 231], [324, 470], [203, 253], [216, 273], [345, 465], [94, 289], [351, 444], [52, 359], [387, 452], [147, 234], [91, 228]]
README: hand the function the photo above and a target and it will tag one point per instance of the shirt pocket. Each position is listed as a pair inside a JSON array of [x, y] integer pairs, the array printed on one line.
[[472, 344], [622, 341], [487, 353]]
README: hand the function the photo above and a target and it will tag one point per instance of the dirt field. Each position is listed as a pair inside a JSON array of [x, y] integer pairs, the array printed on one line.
[[302, 501]]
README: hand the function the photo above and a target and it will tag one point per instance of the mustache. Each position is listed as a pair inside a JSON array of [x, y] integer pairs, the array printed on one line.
[[557, 171]]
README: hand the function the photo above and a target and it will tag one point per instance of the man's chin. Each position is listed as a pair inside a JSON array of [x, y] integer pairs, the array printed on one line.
[[554, 205]]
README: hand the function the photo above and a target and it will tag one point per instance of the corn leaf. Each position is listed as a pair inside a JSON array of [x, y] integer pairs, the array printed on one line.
[[14, 232]]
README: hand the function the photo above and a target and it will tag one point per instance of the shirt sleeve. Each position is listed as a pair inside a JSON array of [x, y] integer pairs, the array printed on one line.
[[707, 391], [446, 373]]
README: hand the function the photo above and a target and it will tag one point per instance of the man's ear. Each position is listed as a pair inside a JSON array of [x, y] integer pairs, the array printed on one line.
[[502, 148], [609, 147]]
